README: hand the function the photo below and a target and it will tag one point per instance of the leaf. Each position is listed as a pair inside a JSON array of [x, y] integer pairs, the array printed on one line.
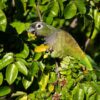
[[26, 83], [78, 93], [54, 9], [70, 10], [4, 90], [31, 2], [22, 60], [93, 97], [44, 1], [37, 56], [90, 91], [6, 60], [53, 77], [43, 82], [20, 26], [61, 6], [34, 68], [96, 86], [2, 4], [23, 98], [11, 73], [1, 78], [49, 19], [21, 67], [18, 93], [24, 53], [3, 21], [42, 66], [81, 6]]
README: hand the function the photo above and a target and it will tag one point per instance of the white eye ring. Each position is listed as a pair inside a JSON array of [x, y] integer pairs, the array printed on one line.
[[39, 25]]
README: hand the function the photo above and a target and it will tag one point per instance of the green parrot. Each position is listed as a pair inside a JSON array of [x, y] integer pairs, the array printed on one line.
[[60, 42]]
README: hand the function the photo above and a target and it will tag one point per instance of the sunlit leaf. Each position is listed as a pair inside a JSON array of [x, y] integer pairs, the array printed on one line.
[[4, 90], [31, 2], [78, 93], [34, 68], [37, 56], [20, 26], [70, 10], [3, 21], [81, 6], [1, 78], [54, 9], [21, 67], [27, 83], [3, 4], [61, 5], [49, 20], [7, 59], [43, 82], [11, 73], [24, 53]]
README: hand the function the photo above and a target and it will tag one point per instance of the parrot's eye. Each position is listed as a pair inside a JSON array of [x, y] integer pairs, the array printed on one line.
[[39, 26]]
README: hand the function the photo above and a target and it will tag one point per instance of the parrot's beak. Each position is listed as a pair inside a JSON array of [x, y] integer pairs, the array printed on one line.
[[31, 30]]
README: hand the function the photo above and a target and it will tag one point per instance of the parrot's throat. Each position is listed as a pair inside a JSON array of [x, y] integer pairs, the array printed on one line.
[[50, 40]]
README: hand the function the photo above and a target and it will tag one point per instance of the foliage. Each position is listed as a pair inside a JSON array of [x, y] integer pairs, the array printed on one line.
[[27, 71]]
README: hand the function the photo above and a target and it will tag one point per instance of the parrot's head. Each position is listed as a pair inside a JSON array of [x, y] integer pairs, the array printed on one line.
[[41, 29]]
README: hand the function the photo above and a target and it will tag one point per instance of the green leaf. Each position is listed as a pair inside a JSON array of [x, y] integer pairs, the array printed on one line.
[[43, 82], [54, 9], [96, 86], [2, 4], [20, 26], [4, 90], [92, 97], [81, 6], [98, 97], [90, 91], [6, 60], [37, 56], [78, 93], [1, 78], [49, 20], [61, 6], [53, 77], [31, 2], [42, 66], [27, 83], [24, 53], [44, 1], [70, 10], [11, 73], [3, 21], [18, 93], [21, 67], [34, 68]]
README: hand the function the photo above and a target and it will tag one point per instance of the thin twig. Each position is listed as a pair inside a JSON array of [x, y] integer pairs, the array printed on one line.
[[38, 11]]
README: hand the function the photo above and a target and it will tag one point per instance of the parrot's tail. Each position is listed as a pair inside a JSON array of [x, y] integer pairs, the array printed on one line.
[[87, 63]]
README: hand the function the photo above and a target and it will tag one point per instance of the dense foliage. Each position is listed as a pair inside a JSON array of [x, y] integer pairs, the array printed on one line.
[[27, 71]]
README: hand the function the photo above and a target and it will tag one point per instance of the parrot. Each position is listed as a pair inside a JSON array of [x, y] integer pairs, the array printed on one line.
[[60, 42]]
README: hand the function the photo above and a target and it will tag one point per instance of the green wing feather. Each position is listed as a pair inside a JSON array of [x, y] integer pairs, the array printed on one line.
[[63, 44]]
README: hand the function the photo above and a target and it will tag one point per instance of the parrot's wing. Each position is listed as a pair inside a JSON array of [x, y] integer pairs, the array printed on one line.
[[63, 44]]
